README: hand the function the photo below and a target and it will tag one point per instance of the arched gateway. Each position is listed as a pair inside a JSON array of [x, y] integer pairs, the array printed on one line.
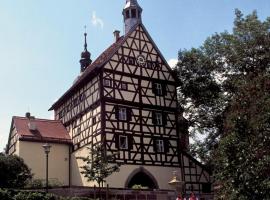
[[141, 177]]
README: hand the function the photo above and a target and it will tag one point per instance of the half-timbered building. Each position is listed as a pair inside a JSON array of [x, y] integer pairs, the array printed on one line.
[[126, 100]]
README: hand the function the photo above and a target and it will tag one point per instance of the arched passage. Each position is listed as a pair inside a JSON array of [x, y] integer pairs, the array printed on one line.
[[141, 177]]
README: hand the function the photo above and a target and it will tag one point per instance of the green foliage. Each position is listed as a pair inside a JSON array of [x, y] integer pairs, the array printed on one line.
[[41, 183], [224, 94], [14, 173], [139, 187], [29, 195], [99, 164], [5, 195], [243, 155]]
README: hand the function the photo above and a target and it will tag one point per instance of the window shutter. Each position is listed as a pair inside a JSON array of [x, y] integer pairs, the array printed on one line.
[[154, 120], [129, 112], [164, 89], [116, 136], [130, 142], [166, 145], [164, 119], [116, 108], [154, 89]]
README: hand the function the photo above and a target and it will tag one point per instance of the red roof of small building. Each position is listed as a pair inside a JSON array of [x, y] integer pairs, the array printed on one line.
[[44, 130]]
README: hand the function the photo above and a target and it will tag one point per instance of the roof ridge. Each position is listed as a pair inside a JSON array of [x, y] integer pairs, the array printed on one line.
[[99, 64], [37, 119]]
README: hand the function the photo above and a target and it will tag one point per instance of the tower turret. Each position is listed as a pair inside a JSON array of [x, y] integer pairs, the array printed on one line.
[[132, 14], [85, 60]]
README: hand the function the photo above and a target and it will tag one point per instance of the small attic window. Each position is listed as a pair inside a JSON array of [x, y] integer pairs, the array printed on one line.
[[127, 14], [133, 13]]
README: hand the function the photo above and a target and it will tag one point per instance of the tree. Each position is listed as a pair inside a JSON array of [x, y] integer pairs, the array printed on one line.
[[14, 173], [99, 165], [224, 96], [243, 154]]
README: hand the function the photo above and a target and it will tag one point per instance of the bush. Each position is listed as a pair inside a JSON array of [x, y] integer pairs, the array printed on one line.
[[5, 195], [14, 173], [41, 183], [139, 187], [28, 195], [34, 196]]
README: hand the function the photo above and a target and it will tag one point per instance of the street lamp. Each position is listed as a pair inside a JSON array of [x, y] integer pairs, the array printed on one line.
[[176, 184], [47, 151]]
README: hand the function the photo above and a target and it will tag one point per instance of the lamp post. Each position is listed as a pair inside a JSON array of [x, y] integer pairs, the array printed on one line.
[[176, 184], [47, 151]]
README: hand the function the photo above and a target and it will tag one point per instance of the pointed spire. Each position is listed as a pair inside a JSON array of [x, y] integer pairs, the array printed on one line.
[[85, 55], [85, 42], [132, 14]]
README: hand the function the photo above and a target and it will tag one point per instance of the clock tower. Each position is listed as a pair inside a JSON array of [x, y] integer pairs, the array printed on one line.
[[132, 14]]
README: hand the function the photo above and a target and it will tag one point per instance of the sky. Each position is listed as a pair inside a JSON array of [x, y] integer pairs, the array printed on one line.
[[41, 42]]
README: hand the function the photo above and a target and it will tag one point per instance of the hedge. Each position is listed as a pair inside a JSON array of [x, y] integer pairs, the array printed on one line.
[[27, 195]]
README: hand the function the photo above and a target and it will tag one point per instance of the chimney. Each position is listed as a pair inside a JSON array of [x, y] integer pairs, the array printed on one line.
[[116, 34], [28, 115]]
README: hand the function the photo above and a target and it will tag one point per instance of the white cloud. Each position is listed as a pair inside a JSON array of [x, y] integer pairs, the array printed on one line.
[[97, 21], [172, 62]]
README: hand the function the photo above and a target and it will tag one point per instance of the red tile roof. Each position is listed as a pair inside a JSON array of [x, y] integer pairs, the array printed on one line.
[[46, 130], [97, 64]]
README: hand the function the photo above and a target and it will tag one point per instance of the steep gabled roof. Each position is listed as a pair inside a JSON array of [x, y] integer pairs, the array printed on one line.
[[101, 61], [45, 130], [94, 67]]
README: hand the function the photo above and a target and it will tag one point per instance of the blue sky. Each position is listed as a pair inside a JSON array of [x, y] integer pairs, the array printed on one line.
[[41, 41]]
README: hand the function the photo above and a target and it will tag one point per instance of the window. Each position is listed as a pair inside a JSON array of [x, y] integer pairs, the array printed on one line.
[[158, 118], [159, 146], [133, 13], [122, 115], [94, 120], [158, 88], [127, 13], [123, 142], [107, 83], [124, 86]]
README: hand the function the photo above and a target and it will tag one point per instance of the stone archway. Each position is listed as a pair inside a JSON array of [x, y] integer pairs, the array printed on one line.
[[141, 177]]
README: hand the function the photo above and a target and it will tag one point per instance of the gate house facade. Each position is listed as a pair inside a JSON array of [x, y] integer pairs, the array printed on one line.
[[126, 100]]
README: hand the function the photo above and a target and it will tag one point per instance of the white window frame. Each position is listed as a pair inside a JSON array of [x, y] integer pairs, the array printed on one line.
[[125, 144], [122, 114], [160, 146], [159, 119], [107, 82], [158, 87]]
